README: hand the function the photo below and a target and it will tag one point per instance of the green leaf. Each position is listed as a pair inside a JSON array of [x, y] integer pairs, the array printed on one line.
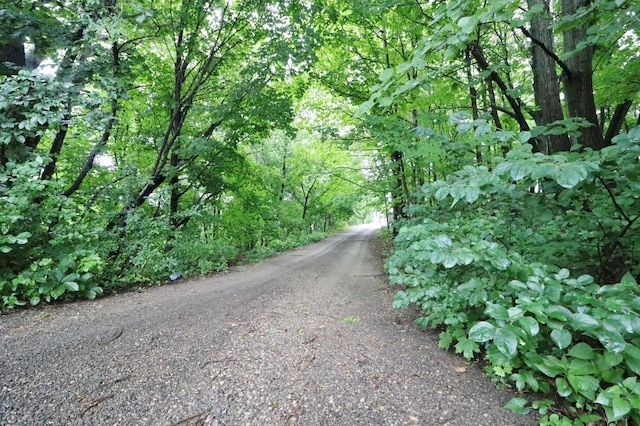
[[571, 176], [524, 136], [582, 351], [530, 325], [467, 347], [628, 280], [515, 312], [562, 338], [584, 385], [442, 193], [451, 52], [518, 405], [386, 74], [519, 171], [497, 311], [71, 286], [445, 341], [612, 341], [620, 407], [507, 342], [385, 101], [482, 331], [631, 355], [57, 291], [552, 366], [562, 274], [585, 321], [468, 24], [562, 387]]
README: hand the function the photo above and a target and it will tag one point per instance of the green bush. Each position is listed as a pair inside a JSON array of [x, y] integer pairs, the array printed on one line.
[[533, 265]]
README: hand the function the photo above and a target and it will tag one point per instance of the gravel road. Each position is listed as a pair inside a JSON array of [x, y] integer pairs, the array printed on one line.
[[308, 337]]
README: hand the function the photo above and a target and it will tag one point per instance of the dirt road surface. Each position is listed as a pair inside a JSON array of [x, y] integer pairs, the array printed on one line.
[[308, 337]]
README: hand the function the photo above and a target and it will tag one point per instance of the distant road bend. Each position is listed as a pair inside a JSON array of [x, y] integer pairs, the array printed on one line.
[[308, 337]]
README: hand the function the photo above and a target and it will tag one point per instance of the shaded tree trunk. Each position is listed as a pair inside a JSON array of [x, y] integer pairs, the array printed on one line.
[[399, 198], [616, 121], [13, 52], [514, 103], [545, 79], [578, 83]]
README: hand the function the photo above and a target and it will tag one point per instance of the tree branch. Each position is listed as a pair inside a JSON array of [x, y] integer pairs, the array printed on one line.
[[546, 50]]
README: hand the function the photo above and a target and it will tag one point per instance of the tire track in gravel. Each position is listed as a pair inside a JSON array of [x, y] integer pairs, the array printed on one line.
[[308, 337]]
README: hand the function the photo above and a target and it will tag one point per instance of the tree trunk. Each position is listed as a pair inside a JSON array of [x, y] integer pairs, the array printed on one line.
[[545, 80], [515, 103], [578, 84], [616, 121], [175, 190], [13, 52], [398, 196]]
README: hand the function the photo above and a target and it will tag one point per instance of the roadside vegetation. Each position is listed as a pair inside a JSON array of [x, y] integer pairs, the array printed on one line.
[[500, 138], [512, 152], [158, 140]]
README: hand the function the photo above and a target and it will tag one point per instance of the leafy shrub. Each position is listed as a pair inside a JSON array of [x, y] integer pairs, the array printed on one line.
[[200, 256], [493, 271], [46, 254]]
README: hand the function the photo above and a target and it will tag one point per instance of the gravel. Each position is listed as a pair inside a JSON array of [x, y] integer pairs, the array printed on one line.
[[308, 337]]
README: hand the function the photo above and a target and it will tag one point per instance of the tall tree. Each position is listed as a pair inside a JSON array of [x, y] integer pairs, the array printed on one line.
[[546, 87]]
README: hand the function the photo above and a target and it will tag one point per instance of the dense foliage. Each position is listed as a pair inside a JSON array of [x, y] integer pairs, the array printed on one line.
[[509, 149], [158, 140], [493, 273], [500, 138]]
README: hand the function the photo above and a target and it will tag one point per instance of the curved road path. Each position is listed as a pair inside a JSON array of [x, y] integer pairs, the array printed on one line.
[[308, 337]]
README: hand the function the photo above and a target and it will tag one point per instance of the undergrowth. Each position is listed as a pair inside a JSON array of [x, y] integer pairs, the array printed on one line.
[[533, 266]]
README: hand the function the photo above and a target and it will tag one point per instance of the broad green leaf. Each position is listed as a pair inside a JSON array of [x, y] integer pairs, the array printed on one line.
[[571, 176], [582, 351], [472, 193], [584, 385], [559, 312], [443, 241], [518, 405], [386, 74], [530, 325], [620, 407], [468, 24], [515, 312], [552, 366], [524, 136], [519, 171], [562, 387], [631, 356], [442, 193], [610, 359], [585, 321], [385, 101], [71, 286], [506, 342], [562, 274], [57, 291], [497, 311], [451, 52], [562, 338], [628, 280], [482, 332], [612, 341]]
